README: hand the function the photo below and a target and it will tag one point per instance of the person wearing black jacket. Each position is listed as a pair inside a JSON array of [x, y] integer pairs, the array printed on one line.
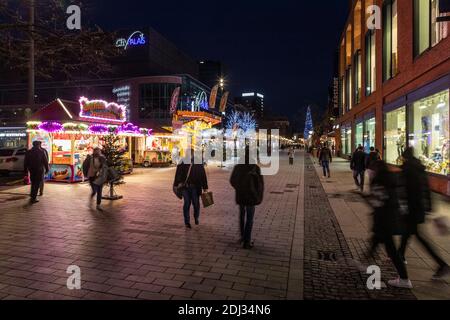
[[418, 198], [384, 200], [248, 182], [194, 175], [41, 186], [94, 170], [358, 165], [36, 163]]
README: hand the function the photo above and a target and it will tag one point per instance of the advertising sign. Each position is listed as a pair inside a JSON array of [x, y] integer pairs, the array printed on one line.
[[174, 100], [213, 97], [223, 102]]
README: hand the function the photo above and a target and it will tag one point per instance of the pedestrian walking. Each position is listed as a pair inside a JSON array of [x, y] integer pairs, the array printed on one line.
[[41, 186], [36, 164], [418, 198], [248, 183], [291, 155], [384, 200], [325, 158], [371, 159], [358, 165], [96, 170], [192, 179]]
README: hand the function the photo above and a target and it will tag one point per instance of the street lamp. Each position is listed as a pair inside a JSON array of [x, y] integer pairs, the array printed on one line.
[[222, 83]]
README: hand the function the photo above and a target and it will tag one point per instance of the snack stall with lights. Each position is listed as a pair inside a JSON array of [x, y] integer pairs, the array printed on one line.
[[70, 131], [194, 124]]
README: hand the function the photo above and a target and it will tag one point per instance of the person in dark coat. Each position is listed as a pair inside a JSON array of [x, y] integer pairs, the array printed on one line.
[[418, 198], [248, 182], [36, 163], [325, 158], [358, 165], [196, 182], [93, 167], [384, 200]]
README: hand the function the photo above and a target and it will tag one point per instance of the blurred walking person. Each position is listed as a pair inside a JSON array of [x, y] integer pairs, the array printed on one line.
[[418, 198], [36, 164], [291, 155], [191, 178], [95, 169], [384, 200], [325, 158], [373, 157], [248, 182], [358, 165]]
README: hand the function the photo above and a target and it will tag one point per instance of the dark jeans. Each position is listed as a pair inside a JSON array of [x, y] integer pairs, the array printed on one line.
[[41, 186], [358, 176], [96, 190], [191, 196], [425, 244], [395, 257], [36, 179], [326, 168], [246, 222]]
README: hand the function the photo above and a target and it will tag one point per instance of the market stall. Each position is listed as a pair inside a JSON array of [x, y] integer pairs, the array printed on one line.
[[70, 131]]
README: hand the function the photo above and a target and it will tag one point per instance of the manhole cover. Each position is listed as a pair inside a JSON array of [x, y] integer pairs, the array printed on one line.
[[312, 187], [326, 255], [276, 192]]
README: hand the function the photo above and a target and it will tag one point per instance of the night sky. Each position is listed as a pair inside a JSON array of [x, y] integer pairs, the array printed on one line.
[[283, 49]]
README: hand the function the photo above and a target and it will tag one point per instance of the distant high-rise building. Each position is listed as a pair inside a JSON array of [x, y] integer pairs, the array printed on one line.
[[212, 73], [252, 101]]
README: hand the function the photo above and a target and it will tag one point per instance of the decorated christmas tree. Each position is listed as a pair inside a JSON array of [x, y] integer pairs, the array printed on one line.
[[309, 127], [114, 152]]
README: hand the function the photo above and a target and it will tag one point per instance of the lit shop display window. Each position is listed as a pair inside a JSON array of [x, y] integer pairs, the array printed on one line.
[[395, 135], [429, 132], [359, 134], [346, 138], [369, 134]]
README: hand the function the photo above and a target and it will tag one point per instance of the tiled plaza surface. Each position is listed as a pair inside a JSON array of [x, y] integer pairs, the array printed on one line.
[[138, 248]]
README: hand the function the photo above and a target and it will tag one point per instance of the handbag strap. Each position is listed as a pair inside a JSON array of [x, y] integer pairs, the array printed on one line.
[[189, 173]]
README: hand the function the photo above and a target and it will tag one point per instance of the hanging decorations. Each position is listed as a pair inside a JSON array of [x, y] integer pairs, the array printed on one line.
[[51, 127], [237, 120], [98, 129]]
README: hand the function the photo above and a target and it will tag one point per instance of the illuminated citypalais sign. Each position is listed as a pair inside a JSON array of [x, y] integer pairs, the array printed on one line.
[[137, 38]]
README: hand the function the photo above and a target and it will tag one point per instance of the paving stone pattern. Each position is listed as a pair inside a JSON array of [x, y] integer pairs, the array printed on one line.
[[330, 269]]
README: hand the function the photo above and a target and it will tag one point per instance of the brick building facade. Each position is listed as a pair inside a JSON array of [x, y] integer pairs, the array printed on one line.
[[394, 83]]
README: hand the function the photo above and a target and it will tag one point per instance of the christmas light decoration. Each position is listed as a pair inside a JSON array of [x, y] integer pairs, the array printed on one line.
[[102, 110], [51, 127]]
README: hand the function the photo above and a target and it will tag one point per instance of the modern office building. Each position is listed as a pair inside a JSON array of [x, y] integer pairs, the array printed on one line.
[[149, 99], [252, 101], [394, 83], [142, 52]]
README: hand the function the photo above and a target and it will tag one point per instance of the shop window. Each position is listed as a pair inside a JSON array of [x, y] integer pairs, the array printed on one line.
[[346, 137], [429, 132], [369, 134], [390, 39], [359, 135], [428, 32], [395, 135], [370, 62]]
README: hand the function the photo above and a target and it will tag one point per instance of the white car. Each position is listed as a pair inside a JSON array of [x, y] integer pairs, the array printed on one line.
[[12, 160]]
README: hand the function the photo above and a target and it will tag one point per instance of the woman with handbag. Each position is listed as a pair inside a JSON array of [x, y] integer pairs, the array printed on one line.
[[95, 169], [190, 180]]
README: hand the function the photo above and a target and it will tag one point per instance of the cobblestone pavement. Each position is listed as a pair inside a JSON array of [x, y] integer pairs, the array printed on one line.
[[138, 248], [331, 271]]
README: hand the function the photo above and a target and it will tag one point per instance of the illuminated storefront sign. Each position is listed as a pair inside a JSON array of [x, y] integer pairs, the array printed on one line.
[[102, 110], [137, 38], [123, 95]]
